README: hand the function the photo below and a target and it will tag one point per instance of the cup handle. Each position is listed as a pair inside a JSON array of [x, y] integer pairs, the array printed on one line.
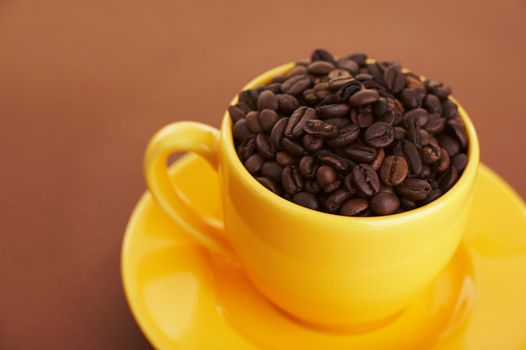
[[192, 137]]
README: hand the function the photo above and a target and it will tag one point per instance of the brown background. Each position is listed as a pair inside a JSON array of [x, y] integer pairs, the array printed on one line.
[[83, 85]]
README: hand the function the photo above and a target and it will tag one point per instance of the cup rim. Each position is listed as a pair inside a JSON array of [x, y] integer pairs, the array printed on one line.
[[468, 175]]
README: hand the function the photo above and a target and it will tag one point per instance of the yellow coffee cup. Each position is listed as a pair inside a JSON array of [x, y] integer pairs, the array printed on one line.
[[324, 269]]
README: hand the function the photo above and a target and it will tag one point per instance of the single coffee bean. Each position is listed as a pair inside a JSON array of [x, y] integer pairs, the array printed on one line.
[[431, 196], [399, 133], [438, 88], [284, 159], [319, 128], [263, 146], [355, 207], [267, 99], [287, 103], [426, 172], [336, 199], [269, 184], [346, 91], [325, 175], [276, 135], [443, 162], [321, 90], [267, 119], [384, 203], [410, 98], [379, 135], [249, 98], [433, 104], [459, 130], [241, 131], [279, 79], [448, 179], [394, 79], [296, 84], [376, 70], [322, 55], [359, 58], [348, 64], [364, 97], [416, 117], [449, 109], [311, 186], [336, 83], [387, 189], [346, 135], [360, 153], [274, 87], [312, 143], [252, 121], [449, 144], [271, 170], [338, 73], [363, 77], [310, 97], [297, 120], [340, 110], [306, 167], [407, 204], [292, 148], [363, 117], [332, 187], [435, 125], [412, 156], [414, 189], [244, 107], [379, 159], [236, 113], [253, 163], [320, 67], [430, 153], [297, 70], [291, 180], [247, 148], [366, 179], [460, 161], [334, 160], [394, 170], [307, 200]]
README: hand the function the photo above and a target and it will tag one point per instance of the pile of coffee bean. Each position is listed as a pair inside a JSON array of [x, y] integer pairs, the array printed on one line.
[[351, 136]]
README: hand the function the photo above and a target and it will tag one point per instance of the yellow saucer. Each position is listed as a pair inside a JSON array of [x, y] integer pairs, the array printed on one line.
[[183, 298]]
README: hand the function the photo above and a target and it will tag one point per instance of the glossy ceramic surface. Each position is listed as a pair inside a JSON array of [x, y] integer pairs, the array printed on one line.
[[185, 299]]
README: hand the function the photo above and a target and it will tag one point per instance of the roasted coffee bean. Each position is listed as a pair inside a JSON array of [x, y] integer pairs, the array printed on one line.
[[338, 122], [435, 125], [423, 137], [438, 88], [386, 189], [263, 146], [359, 58], [267, 99], [449, 144], [379, 159], [336, 83], [384, 203], [448, 179], [346, 135], [247, 148], [297, 70], [409, 98], [379, 135], [311, 186], [276, 135], [394, 79], [431, 196], [267, 119], [307, 200], [363, 77], [443, 162], [348, 64], [252, 121], [296, 84], [321, 90], [292, 148], [325, 175], [312, 143], [376, 71], [406, 204], [272, 170], [394, 170], [460, 161], [433, 104], [287, 103], [309, 97], [254, 163], [241, 131], [360, 153], [449, 109], [322, 55], [430, 153], [364, 97], [332, 187], [297, 120], [363, 117], [269, 184], [340, 110], [279, 79], [319, 128], [345, 92], [307, 167], [338, 73], [236, 113], [459, 130], [336, 199], [412, 156], [399, 133], [413, 189], [320, 67], [249, 98], [355, 207], [274, 87], [284, 159], [426, 172], [291, 180], [416, 117], [365, 179], [334, 160]]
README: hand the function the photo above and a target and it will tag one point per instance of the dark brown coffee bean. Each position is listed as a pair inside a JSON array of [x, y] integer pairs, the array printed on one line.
[[295, 85], [297, 120], [345, 92], [319, 128], [254, 163], [320, 67], [423, 137], [271, 170], [325, 175], [433, 104], [322, 55], [307, 200], [338, 73], [274, 87], [334, 160], [267, 118], [449, 109], [284, 159], [287, 103], [384, 203], [414, 82], [399, 133], [346, 135], [394, 79], [414, 189], [443, 163], [363, 77], [360, 153], [241, 131], [448, 179], [460, 161], [430, 154], [416, 117], [321, 90], [426, 171], [340, 110], [435, 125], [336, 199], [363, 117], [311, 186], [365, 179], [312, 143], [247, 148], [348, 64], [459, 130], [292, 148], [413, 134], [297, 70], [249, 98], [244, 107], [269, 184], [336, 83], [431, 196], [279, 79], [355, 207], [236, 113], [358, 57], [449, 144], [410, 98], [376, 71], [386, 189], [307, 167], [276, 135], [407, 204], [263, 146], [394, 170], [379, 135], [291, 180], [332, 187], [364, 97], [252, 122], [267, 99], [310, 98], [378, 160], [412, 156], [438, 88]]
